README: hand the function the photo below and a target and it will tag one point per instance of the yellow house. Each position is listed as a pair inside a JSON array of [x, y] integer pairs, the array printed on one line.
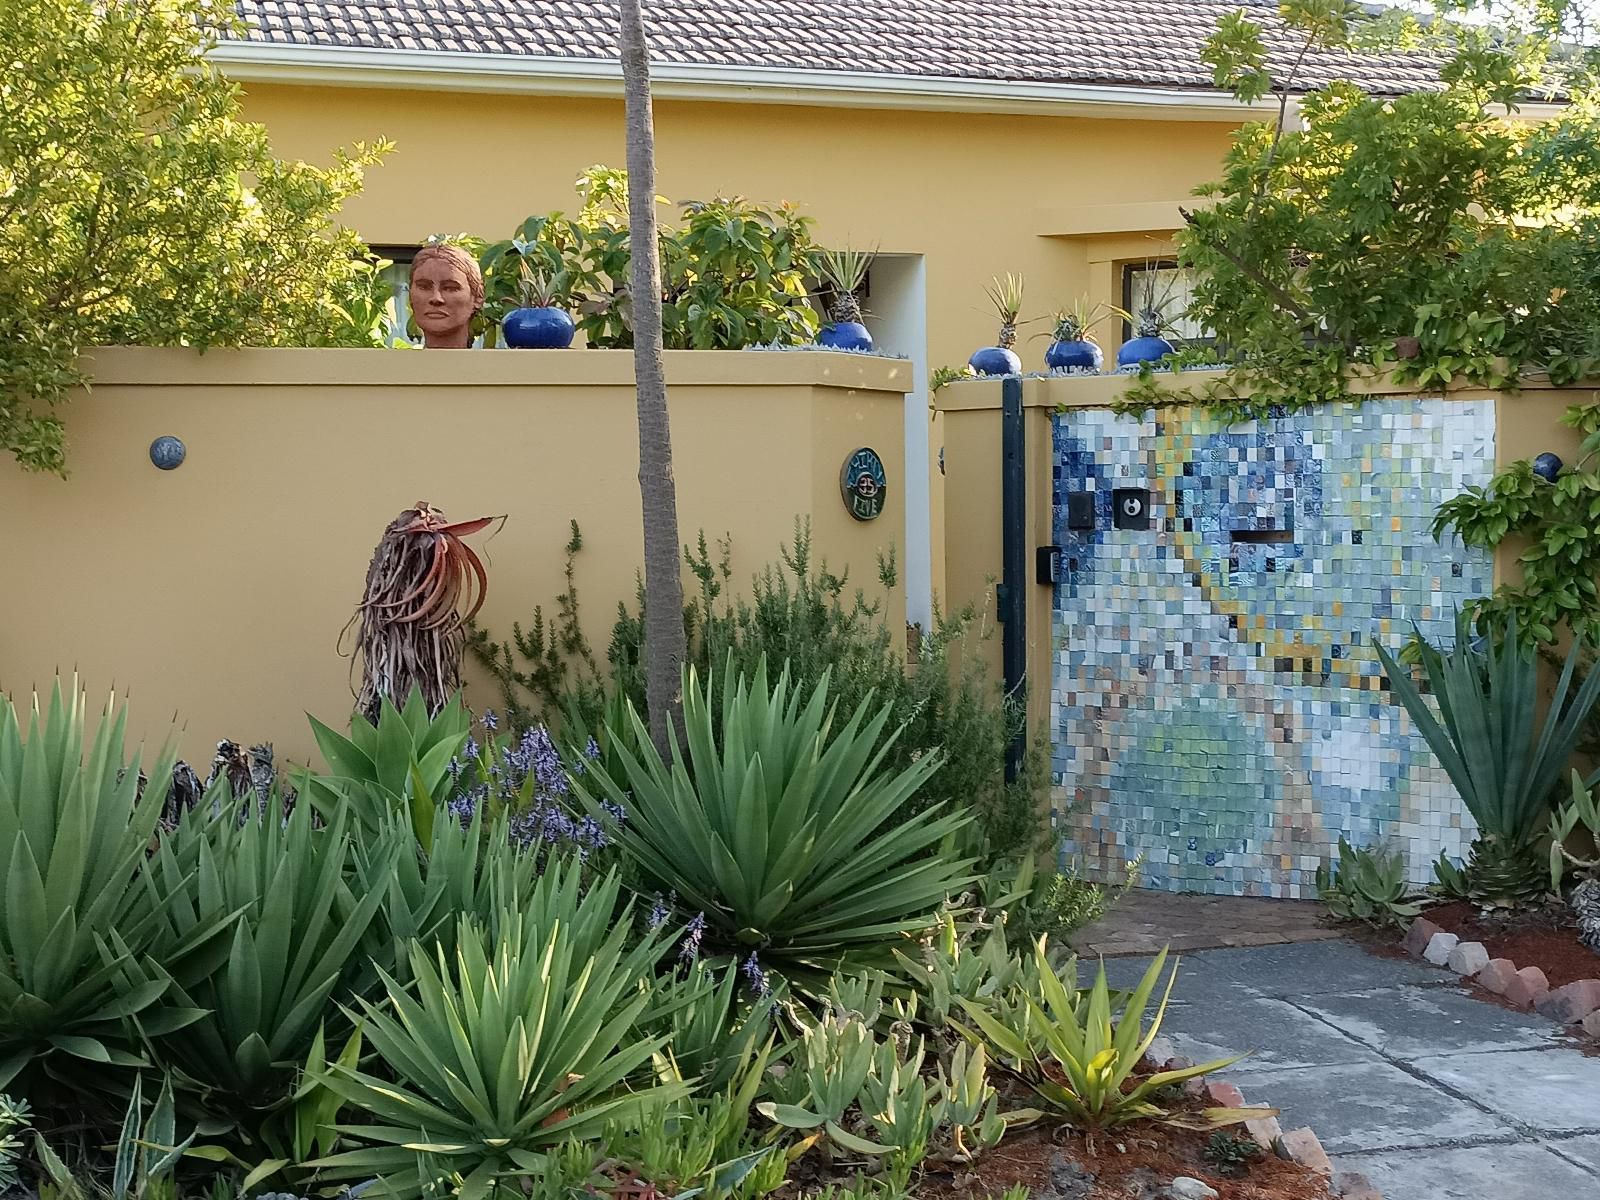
[[963, 138]]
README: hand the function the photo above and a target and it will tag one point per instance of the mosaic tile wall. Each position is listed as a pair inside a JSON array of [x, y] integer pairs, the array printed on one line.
[[1216, 704]]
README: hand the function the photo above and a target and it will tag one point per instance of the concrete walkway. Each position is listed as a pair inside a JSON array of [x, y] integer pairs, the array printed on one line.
[[1431, 1093]]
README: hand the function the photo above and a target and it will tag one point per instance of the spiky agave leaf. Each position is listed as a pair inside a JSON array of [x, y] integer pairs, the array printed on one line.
[[844, 270], [783, 828]]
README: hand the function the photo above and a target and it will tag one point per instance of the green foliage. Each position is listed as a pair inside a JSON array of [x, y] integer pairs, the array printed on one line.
[[1368, 885], [733, 273], [1503, 762], [1052, 903], [1580, 809], [800, 613], [1077, 1060], [942, 377], [1450, 879], [147, 1154], [294, 945], [521, 1042], [78, 917], [398, 764], [1230, 1153], [1423, 232], [163, 219], [1561, 523], [787, 833], [14, 1118], [709, 1030]]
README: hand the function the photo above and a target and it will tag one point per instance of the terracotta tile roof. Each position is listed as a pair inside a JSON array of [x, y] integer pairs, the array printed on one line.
[[1151, 43]]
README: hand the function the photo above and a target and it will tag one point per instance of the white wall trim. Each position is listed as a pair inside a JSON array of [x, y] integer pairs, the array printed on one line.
[[521, 74]]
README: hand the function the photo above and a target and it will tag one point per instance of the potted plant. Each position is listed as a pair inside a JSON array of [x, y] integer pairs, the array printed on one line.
[[541, 323], [844, 271], [1000, 359], [1149, 321], [1072, 349]]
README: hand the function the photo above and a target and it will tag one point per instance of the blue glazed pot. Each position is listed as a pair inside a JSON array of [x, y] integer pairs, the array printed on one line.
[[1547, 466], [1078, 354], [538, 328], [845, 335], [995, 360], [1142, 350]]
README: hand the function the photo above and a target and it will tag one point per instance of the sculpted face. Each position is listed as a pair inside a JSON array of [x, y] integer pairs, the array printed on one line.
[[443, 304]]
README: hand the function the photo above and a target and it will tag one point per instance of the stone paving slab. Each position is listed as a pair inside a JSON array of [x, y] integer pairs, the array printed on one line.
[[1309, 969], [1274, 1033], [1473, 1173], [1553, 1091], [1369, 1106], [1584, 1150], [1145, 919], [1414, 1022]]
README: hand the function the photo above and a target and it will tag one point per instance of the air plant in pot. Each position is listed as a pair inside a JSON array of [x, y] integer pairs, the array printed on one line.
[[844, 271], [423, 586], [1071, 347], [1000, 359], [1149, 319], [541, 322]]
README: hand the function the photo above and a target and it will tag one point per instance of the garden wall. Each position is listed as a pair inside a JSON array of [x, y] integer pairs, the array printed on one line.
[[1214, 702], [215, 593]]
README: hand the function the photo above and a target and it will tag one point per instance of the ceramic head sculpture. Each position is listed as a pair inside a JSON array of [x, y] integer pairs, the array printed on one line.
[[446, 293]]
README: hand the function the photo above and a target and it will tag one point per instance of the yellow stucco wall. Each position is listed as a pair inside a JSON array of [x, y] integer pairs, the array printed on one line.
[[216, 592], [1064, 200]]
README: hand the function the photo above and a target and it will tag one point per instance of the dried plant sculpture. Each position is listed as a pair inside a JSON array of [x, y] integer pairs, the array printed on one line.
[[425, 583]]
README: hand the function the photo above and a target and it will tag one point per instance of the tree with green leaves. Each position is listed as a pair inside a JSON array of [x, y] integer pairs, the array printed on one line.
[[137, 207], [1433, 231]]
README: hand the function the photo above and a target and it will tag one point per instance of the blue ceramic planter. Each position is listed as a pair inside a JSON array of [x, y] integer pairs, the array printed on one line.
[[538, 328], [995, 360], [1142, 350], [845, 335], [1547, 466], [1075, 355]]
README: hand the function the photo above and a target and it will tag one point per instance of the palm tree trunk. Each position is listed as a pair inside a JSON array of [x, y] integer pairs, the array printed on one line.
[[664, 645]]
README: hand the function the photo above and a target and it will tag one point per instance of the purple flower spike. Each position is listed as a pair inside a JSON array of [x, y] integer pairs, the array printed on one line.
[[755, 976], [696, 929]]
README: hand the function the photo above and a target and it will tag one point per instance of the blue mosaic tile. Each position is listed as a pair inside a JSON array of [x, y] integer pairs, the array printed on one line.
[[1216, 704]]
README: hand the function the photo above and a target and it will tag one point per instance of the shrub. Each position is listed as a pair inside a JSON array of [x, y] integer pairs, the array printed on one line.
[[789, 837], [799, 613], [733, 273]]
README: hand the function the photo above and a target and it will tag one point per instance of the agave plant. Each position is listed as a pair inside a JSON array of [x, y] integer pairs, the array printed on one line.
[[781, 830], [411, 619], [79, 914], [1080, 1061], [293, 946], [393, 760], [1503, 761], [501, 1052]]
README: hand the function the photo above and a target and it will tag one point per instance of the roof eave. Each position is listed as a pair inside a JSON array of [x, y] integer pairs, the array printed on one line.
[[518, 74]]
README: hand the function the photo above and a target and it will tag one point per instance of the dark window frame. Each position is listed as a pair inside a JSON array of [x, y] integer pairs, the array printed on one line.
[[1129, 269]]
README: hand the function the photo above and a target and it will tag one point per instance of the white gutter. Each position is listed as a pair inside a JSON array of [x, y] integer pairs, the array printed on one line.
[[531, 75]]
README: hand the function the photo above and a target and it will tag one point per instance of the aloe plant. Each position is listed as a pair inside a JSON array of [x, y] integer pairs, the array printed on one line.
[[77, 914], [783, 830], [1503, 761], [1368, 885]]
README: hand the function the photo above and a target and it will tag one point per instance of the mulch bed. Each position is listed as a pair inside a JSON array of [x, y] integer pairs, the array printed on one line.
[[1545, 938], [1127, 1163]]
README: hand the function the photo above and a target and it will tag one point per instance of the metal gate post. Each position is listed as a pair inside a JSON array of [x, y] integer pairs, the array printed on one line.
[[1013, 593]]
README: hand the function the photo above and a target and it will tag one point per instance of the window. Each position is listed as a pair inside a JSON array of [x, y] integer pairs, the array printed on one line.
[[399, 276], [1170, 288]]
